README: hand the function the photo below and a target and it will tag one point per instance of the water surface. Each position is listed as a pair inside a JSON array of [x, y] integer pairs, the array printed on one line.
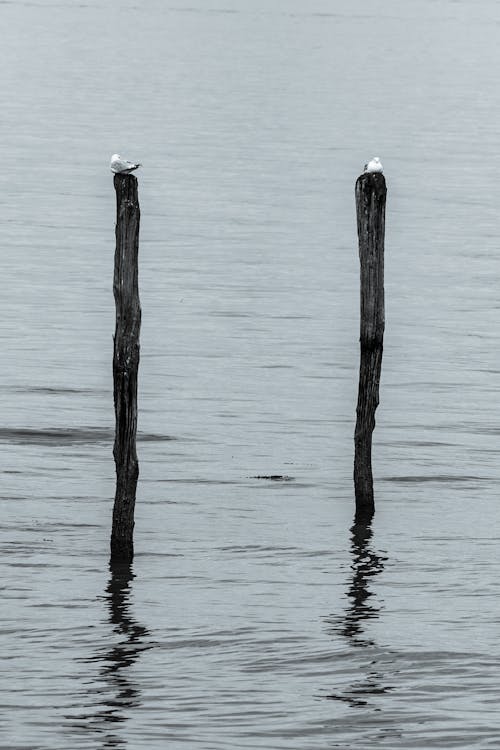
[[255, 614]]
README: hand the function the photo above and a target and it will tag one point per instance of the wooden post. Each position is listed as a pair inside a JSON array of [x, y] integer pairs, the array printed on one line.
[[370, 209], [125, 364]]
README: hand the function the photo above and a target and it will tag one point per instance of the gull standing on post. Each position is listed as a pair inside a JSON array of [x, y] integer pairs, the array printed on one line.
[[374, 165], [122, 166]]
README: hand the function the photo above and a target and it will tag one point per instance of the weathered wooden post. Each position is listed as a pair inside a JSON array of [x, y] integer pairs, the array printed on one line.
[[370, 209], [125, 364]]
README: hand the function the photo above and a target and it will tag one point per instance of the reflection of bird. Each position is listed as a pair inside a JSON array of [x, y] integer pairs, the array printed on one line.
[[374, 165], [122, 166]]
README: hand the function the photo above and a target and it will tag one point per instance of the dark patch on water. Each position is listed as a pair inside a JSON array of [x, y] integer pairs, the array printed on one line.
[[144, 437], [194, 480], [254, 548], [56, 390], [274, 477], [68, 436]]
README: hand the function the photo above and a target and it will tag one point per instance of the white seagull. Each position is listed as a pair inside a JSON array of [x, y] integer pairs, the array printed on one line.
[[374, 165], [122, 166]]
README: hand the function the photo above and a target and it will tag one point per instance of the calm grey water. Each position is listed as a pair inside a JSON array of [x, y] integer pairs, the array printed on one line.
[[253, 616]]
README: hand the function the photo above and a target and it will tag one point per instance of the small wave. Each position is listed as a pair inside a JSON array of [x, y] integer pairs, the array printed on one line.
[[435, 478]]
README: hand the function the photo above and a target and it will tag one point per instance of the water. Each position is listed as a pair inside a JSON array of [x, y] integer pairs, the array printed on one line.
[[253, 615]]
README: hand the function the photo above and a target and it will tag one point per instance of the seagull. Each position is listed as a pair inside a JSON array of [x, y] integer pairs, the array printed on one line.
[[122, 166], [374, 165]]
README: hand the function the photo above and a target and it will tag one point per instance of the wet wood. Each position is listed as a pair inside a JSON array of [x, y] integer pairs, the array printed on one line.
[[125, 364], [370, 209]]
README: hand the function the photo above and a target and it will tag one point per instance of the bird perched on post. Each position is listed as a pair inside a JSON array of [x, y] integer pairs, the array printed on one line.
[[122, 166], [374, 165]]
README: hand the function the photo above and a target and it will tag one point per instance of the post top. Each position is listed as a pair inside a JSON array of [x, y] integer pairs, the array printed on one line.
[[376, 178], [371, 182], [123, 178], [126, 188]]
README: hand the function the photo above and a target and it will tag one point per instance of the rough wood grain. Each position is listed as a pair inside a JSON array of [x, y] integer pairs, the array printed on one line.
[[125, 364], [370, 209]]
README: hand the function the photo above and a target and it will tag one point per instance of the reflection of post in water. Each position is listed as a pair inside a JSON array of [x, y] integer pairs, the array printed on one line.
[[117, 660], [114, 694], [366, 564], [125, 653]]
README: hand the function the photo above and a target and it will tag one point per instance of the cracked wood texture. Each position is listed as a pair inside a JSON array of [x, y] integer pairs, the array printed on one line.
[[125, 364], [370, 209]]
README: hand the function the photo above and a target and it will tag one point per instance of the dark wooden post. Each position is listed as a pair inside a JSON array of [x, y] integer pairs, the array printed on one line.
[[125, 364], [370, 209]]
